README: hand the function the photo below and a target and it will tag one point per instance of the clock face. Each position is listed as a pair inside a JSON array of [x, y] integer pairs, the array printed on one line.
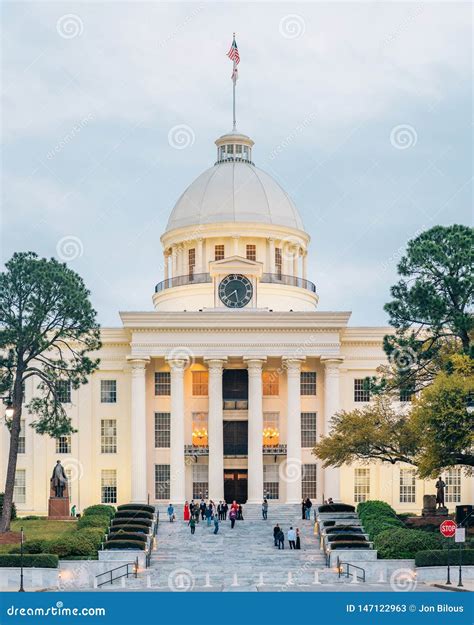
[[235, 291]]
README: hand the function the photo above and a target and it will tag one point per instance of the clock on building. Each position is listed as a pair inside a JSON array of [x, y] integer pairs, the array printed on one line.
[[235, 291]]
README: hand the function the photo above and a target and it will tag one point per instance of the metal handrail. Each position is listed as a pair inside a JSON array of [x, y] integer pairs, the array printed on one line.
[[205, 278], [195, 278], [278, 278], [117, 568], [347, 572]]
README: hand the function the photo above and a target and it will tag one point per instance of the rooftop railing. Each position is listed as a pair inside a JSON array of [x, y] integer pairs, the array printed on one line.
[[267, 278]]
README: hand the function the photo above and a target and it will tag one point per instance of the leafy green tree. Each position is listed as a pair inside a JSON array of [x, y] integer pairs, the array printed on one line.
[[432, 305], [374, 432], [47, 328]]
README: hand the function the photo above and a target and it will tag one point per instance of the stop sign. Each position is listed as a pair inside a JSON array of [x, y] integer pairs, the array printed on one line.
[[448, 528]]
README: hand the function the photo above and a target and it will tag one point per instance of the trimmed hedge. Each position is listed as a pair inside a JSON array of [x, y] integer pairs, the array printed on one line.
[[137, 506], [341, 529], [374, 506], [40, 560], [377, 517], [76, 544], [127, 536], [336, 507], [405, 543], [345, 537], [100, 510], [329, 523], [30, 546], [2, 495], [144, 529], [353, 545], [126, 521], [124, 544], [439, 557], [133, 514], [94, 520]]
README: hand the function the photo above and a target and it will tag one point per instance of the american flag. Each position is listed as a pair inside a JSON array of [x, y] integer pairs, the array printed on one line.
[[233, 53]]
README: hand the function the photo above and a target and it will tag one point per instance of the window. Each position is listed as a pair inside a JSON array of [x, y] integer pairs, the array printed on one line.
[[191, 261], [21, 439], [108, 485], [407, 486], [271, 483], [218, 252], [19, 488], [108, 391], [361, 485], [278, 261], [453, 485], [309, 481], [200, 481], [162, 383], [361, 393], [200, 382], [308, 429], [162, 429], [271, 429], [162, 481], [63, 390], [63, 444], [251, 252], [270, 382], [199, 434], [108, 436], [308, 383]]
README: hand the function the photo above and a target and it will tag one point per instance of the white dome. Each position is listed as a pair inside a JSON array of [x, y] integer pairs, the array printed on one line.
[[234, 192]]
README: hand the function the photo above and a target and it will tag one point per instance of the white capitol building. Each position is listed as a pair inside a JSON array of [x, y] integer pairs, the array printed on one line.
[[225, 386]]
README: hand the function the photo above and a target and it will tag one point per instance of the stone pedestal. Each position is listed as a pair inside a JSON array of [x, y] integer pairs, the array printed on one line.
[[58, 507], [441, 511], [429, 505]]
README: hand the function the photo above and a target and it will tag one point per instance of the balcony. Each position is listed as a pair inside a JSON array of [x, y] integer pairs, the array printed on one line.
[[235, 450], [196, 450], [274, 450], [205, 278]]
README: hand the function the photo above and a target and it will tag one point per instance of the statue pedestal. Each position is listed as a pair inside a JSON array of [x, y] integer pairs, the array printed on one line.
[[58, 507], [442, 511], [429, 505]]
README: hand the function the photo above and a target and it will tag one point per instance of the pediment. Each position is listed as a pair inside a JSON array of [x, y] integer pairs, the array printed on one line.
[[235, 264]]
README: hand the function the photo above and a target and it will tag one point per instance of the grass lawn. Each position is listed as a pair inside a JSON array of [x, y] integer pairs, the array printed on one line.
[[40, 530]]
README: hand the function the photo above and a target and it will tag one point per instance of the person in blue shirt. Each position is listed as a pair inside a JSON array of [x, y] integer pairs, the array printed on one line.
[[170, 511]]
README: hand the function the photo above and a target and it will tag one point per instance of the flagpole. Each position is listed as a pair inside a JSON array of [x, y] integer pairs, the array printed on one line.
[[234, 125]]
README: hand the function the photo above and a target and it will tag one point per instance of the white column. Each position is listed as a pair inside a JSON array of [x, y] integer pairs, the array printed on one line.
[[174, 261], [296, 257], [305, 260], [139, 489], [199, 258], [331, 406], [215, 430], [292, 469], [255, 434], [166, 264], [271, 255], [177, 464]]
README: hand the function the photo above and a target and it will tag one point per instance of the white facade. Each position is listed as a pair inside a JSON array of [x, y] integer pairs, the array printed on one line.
[[223, 388]]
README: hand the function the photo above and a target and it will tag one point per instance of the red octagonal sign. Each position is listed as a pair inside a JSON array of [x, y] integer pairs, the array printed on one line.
[[448, 528]]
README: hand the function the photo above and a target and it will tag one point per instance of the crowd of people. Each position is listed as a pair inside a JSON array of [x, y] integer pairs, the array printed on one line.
[[293, 535]]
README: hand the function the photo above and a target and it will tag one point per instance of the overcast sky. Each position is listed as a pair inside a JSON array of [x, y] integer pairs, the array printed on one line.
[[362, 111]]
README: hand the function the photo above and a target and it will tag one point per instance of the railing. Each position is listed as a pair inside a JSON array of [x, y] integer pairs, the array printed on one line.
[[204, 278], [196, 278], [344, 568], [274, 450], [277, 278], [114, 578], [235, 449], [152, 541], [196, 450]]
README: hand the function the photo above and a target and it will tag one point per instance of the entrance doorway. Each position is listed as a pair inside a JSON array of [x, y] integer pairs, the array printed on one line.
[[236, 438], [235, 485]]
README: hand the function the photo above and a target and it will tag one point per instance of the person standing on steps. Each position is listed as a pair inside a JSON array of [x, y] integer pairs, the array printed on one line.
[[170, 511], [276, 531], [281, 539], [196, 514], [202, 507], [192, 524], [308, 505], [303, 509], [225, 510], [240, 513], [298, 539], [208, 513], [232, 517], [186, 512], [292, 538], [264, 509], [216, 524]]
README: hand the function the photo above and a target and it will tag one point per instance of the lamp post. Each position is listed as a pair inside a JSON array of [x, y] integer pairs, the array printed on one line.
[[21, 589]]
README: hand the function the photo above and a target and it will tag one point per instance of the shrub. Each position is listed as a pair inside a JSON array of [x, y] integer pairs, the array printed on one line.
[[96, 534], [346, 537], [124, 544], [336, 507], [376, 507], [32, 517], [373, 527], [439, 557], [100, 510], [32, 546], [329, 523], [42, 560], [126, 521], [404, 543], [133, 514], [93, 521], [340, 529], [77, 544], [137, 506], [2, 495], [127, 536], [350, 545], [144, 529]]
